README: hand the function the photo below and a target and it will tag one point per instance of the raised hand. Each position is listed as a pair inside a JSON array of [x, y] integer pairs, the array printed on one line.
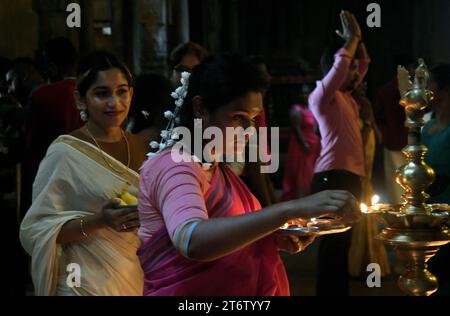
[[350, 26]]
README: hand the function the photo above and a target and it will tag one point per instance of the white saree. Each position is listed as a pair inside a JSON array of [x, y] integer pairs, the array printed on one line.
[[73, 181]]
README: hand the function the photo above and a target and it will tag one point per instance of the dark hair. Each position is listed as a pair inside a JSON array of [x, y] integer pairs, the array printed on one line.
[[95, 62], [62, 53], [441, 75], [151, 94], [23, 66], [327, 59], [189, 48], [219, 80]]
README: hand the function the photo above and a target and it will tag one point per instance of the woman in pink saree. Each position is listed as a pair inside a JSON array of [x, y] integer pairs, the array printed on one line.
[[202, 231]]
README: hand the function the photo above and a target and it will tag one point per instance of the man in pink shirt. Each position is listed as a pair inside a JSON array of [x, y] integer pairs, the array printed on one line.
[[341, 161]]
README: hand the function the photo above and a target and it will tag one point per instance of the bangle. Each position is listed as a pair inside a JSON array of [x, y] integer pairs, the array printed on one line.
[[82, 229]]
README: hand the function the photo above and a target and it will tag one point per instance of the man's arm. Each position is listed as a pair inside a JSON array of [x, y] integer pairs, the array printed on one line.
[[324, 92]]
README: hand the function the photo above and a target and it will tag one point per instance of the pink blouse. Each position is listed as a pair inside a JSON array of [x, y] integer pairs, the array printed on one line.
[[337, 115], [180, 188]]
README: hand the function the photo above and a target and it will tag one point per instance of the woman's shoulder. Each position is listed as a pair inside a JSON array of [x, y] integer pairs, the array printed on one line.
[[78, 133], [170, 162], [60, 152]]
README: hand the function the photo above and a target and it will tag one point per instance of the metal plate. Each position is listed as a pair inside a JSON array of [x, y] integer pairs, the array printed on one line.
[[313, 230]]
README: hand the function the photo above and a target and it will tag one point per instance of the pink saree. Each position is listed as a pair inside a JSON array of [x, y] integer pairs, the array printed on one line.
[[255, 270]]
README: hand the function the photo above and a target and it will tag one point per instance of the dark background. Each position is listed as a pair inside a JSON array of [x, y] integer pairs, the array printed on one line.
[[289, 34]]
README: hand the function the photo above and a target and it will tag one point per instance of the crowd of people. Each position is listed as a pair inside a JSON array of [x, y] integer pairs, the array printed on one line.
[[75, 133]]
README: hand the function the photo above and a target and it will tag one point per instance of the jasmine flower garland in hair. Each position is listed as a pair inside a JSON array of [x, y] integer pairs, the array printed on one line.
[[168, 137]]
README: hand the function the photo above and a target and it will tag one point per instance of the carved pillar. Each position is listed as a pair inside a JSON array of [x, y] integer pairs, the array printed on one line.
[[178, 22]]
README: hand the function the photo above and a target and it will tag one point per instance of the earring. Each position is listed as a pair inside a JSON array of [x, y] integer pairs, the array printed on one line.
[[83, 115]]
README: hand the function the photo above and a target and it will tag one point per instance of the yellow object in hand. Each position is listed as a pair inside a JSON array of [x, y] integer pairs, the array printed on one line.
[[122, 202], [128, 199]]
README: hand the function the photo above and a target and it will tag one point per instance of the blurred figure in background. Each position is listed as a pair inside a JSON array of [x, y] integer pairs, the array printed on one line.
[[364, 249], [341, 161], [436, 134], [23, 79], [11, 155], [184, 58], [52, 111], [436, 137], [304, 148]]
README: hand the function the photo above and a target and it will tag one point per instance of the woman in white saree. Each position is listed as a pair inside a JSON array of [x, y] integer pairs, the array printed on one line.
[[80, 242]]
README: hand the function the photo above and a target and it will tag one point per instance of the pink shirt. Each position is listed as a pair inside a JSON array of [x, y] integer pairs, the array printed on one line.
[[337, 115], [171, 193]]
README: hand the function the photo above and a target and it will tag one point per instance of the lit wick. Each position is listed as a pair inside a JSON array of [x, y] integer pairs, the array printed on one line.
[[373, 207], [364, 209], [375, 199]]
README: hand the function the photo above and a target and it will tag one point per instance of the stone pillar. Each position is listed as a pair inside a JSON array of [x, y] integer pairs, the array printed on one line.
[[131, 35], [153, 23], [212, 25], [87, 36], [179, 22], [18, 29]]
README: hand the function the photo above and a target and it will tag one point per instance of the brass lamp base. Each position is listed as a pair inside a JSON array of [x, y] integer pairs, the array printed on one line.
[[414, 248]]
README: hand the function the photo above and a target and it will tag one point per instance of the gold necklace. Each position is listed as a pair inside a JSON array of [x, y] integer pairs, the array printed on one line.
[[103, 155]]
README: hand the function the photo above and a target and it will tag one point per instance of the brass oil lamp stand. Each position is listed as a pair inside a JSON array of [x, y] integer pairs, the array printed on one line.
[[414, 228]]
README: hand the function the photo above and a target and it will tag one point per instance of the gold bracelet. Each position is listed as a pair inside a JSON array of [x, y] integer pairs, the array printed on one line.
[[82, 229]]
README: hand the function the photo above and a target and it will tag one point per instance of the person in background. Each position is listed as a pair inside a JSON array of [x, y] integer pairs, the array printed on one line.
[[23, 79], [11, 156], [303, 150], [436, 134], [184, 58], [436, 137], [340, 164], [52, 111], [364, 249]]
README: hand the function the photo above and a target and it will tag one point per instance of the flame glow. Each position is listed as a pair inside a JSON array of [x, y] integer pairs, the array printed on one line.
[[363, 207], [375, 199]]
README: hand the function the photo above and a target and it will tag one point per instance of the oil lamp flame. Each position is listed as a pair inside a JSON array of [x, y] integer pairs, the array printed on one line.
[[375, 199], [363, 207]]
